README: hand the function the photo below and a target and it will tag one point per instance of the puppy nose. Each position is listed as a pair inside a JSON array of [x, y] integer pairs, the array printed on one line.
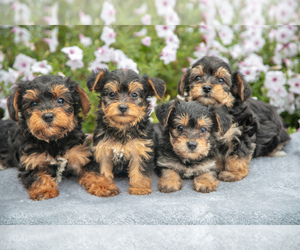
[[123, 108], [206, 88], [192, 145], [48, 117]]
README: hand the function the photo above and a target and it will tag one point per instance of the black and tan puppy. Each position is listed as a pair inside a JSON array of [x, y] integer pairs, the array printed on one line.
[[186, 146], [46, 141], [259, 130], [122, 138]]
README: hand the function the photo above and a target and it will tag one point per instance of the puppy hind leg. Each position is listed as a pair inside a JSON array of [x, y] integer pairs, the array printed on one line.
[[170, 181]]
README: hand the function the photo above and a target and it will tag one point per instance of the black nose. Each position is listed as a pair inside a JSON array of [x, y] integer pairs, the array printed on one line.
[[48, 117], [192, 145], [123, 108], [206, 88]]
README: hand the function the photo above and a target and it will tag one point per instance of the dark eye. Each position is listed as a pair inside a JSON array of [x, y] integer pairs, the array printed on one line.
[[220, 80], [111, 95], [180, 128], [60, 101], [198, 78], [33, 104], [134, 95], [203, 130]]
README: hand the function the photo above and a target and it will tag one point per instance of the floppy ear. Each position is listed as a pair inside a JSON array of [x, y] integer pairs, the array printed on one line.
[[224, 120], [163, 112], [12, 105], [84, 100], [96, 80], [183, 82], [240, 88], [158, 86]]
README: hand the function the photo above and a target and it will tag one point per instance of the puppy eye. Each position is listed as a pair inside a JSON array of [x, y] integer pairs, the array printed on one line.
[[60, 101], [197, 78], [180, 128], [33, 104], [203, 130], [111, 95], [220, 80], [134, 95]]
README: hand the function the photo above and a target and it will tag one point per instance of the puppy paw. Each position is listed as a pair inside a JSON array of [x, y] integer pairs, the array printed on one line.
[[43, 194], [139, 191], [169, 187], [205, 183], [231, 176]]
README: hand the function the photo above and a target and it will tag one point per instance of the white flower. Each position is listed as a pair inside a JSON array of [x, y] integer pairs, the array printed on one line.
[[3, 103], [290, 50], [146, 41], [84, 19], [28, 76], [294, 84], [274, 80], [74, 52], [284, 34], [146, 20], [52, 19], [162, 6], [85, 41], [172, 17], [172, 40], [97, 65], [141, 10], [21, 35], [10, 76], [23, 63], [236, 51], [41, 67], [225, 33], [201, 50], [168, 54], [108, 35], [128, 63], [53, 41], [22, 13], [284, 12], [142, 32], [226, 13], [104, 54], [2, 56], [108, 13], [152, 103], [75, 64], [162, 30]]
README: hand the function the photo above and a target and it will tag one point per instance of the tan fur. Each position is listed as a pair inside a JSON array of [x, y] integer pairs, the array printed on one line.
[[153, 87], [59, 90], [99, 76], [181, 84], [43, 188], [197, 71], [84, 101], [31, 94], [77, 157], [205, 183], [134, 86], [36, 160], [222, 73], [98, 185], [112, 86], [204, 121], [16, 105], [170, 181], [182, 119], [240, 87]]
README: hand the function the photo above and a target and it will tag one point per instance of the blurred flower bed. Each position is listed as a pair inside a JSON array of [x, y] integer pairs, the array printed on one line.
[[268, 56]]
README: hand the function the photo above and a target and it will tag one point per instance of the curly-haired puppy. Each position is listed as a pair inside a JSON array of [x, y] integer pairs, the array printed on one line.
[[186, 146], [258, 129], [47, 142], [122, 138]]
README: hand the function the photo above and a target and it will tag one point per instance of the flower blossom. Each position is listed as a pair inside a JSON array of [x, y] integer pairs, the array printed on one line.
[[75, 55], [108, 35], [146, 41], [22, 13], [108, 13], [53, 41], [85, 41], [84, 19], [41, 67], [52, 19]]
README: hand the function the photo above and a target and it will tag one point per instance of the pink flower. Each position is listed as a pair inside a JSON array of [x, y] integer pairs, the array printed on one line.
[[108, 13], [172, 17], [172, 40], [85, 41], [294, 84], [162, 6], [152, 104], [41, 67], [97, 65], [75, 64], [108, 35], [274, 80], [162, 30], [123, 62], [23, 63], [52, 19], [284, 34], [168, 54], [21, 35], [141, 10], [284, 13], [22, 13], [52, 42], [146, 20], [104, 54], [10, 76], [84, 19], [142, 32], [74, 52], [225, 33], [146, 41]]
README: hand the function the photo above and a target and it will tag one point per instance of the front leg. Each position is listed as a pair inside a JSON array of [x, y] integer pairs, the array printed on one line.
[[206, 183], [169, 181]]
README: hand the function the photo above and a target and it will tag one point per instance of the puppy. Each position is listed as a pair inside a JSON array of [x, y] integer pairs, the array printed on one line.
[[47, 141], [186, 145], [122, 139], [257, 130]]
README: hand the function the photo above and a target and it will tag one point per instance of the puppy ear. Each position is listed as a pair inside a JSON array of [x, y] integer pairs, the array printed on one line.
[[84, 100], [240, 88], [164, 111], [158, 86], [182, 83], [224, 120], [96, 80], [12, 105]]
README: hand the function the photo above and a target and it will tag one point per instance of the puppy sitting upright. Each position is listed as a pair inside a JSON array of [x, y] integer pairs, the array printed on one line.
[[48, 142], [122, 138], [185, 144], [258, 129]]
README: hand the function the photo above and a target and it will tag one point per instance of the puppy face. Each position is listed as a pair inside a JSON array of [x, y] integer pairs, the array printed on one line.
[[191, 127], [124, 95], [211, 82], [48, 106]]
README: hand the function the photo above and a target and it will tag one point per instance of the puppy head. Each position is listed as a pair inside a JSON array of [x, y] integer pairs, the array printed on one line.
[[192, 126], [124, 95], [48, 106], [210, 81]]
